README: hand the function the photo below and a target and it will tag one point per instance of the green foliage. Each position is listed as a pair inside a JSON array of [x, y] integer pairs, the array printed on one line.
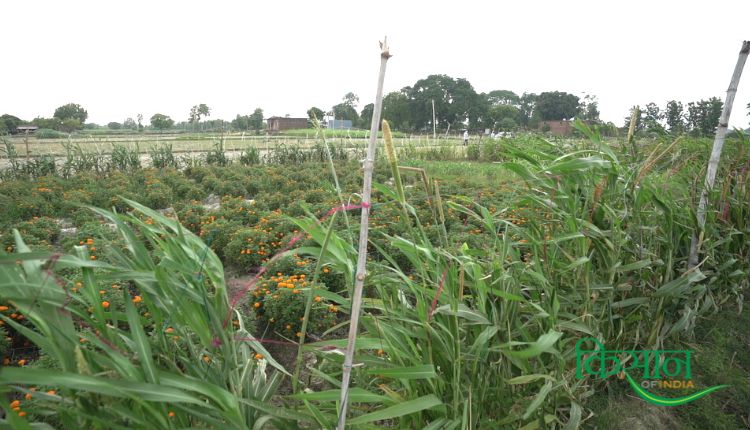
[[315, 113], [556, 106], [162, 156], [8, 124], [255, 120], [71, 111], [280, 300], [124, 158], [161, 122], [46, 133]]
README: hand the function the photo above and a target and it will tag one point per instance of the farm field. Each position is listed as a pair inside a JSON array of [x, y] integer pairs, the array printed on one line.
[[198, 142], [212, 291]]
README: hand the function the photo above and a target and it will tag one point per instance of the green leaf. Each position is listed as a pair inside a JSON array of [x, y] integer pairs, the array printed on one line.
[[525, 379], [464, 312], [93, 384], [545, 343], [538, 400], [399, 410], [356, 395], [425, 371]]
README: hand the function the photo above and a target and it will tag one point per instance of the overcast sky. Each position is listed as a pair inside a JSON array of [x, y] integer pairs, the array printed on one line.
[[121, 58]]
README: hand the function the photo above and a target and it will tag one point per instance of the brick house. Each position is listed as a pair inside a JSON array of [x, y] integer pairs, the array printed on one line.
[[558, 128], [278, 123]]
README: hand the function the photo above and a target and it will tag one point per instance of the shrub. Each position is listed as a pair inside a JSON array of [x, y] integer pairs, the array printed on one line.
[[46, 133], [279, 302]]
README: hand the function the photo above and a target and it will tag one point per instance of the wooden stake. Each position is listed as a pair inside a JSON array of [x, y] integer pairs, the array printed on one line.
[[713, 162], [359, 282]]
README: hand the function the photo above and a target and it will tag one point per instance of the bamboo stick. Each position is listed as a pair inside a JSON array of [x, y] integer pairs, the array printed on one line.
[[359, 282], [713, 162]]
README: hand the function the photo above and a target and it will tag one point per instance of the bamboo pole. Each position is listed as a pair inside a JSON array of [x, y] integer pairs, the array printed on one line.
[[713, 162], [359, 282]]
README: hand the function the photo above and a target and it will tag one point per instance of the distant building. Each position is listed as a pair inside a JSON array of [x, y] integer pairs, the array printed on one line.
[[558, 128], [278, 123], [340, 124], [27, 128]]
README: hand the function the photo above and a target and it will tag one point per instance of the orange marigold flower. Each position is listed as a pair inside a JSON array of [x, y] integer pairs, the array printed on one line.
[[21, 362], [170, 414], [15, 403], [256, 305], [52, 392], [21, 414], [169, 330], [105, 304], [258, 356], [318, 298], [28, 396], [93, 257], [3, 308]]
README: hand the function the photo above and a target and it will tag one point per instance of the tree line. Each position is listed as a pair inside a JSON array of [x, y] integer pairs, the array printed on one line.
[[453, 102], [699, 118]]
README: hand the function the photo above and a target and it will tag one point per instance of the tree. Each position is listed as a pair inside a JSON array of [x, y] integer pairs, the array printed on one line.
[[703, 116], [365, 117], [114, 125], [455, 102], [241, 122], [315, 113], [140, 122], [71, 111], [130, 124], [557, 106], [197, 112], [503, 117], [161, 122], [347, 109], [527, 106], [397, 110], [256, 120], [652, 118], [589, 108], [8, 124], [351, 99], [69, 125], [203, 111], [673, 117], [50, 123], [503, 97]]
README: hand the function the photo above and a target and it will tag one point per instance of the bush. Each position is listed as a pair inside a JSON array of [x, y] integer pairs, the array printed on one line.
[[46, 133], [39, 232], [279, 302]]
